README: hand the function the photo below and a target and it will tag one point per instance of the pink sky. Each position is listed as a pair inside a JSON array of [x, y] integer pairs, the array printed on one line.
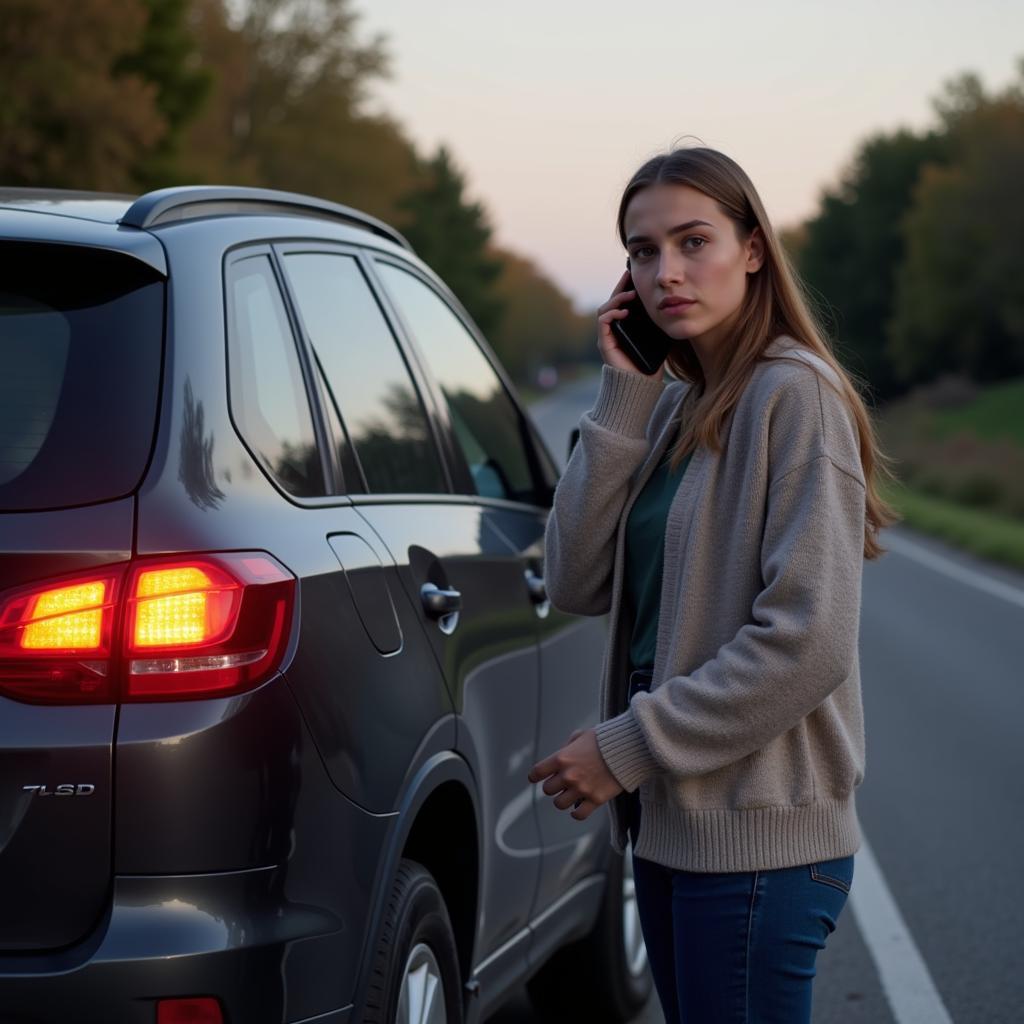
[[549, 107]]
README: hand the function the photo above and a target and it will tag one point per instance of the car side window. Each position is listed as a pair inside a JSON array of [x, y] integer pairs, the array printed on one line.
[[366, 373], [485, 421], [351, 481], [268, 395]]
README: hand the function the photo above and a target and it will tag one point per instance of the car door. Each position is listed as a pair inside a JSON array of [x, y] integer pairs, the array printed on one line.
[[456, 565], [512, 476]]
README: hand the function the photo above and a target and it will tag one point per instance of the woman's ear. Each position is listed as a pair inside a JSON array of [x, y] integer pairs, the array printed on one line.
[[755, 251]]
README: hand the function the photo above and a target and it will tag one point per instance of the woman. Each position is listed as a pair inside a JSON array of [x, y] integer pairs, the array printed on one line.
[[731, 737]]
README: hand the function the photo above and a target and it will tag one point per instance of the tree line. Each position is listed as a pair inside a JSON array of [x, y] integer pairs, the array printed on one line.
[[131, 95], [912, 257]]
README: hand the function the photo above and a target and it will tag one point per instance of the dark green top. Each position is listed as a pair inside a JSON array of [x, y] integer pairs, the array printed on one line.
[[645, 551]]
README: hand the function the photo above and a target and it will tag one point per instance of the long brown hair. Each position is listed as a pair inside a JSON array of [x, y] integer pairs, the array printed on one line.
[[774, 304]]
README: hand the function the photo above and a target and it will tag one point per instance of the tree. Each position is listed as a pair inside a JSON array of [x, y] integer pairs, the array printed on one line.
[[167, 57], [851, 251], [452, 235], [211, 151], [71, 115], [960, 300], [539, 325], [287, 109]]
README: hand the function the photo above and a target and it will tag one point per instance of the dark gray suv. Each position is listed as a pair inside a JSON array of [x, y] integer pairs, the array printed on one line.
[[275, 650]]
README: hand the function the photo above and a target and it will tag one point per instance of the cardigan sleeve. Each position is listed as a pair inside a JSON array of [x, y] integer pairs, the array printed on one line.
[[579, 539], [801, 642]]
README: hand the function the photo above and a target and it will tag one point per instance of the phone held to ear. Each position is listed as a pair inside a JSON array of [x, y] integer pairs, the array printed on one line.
[[640, 337]]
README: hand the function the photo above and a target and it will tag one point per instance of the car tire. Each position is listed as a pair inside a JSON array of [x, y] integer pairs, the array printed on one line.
[[604, 977], [414, 978]]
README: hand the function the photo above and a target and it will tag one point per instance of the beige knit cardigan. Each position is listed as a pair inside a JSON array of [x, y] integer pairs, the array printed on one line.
[[749, 746]]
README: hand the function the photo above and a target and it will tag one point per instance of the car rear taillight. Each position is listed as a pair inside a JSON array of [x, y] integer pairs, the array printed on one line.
[[204, 626], [57, 639], [168, 629]]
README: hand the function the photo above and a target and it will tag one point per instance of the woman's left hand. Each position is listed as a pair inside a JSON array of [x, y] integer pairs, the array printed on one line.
[[578, 775]]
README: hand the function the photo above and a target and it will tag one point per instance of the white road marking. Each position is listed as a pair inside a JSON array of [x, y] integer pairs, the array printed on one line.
[[997, 588], [902, 971]]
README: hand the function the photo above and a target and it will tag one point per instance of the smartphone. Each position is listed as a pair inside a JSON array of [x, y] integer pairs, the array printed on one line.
[[640, 337]]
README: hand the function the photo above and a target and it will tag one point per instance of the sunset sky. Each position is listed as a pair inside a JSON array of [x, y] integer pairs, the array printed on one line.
[[550, 106]]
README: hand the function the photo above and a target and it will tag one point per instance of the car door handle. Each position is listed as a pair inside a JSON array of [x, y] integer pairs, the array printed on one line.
[[535, 585], [437, 602]]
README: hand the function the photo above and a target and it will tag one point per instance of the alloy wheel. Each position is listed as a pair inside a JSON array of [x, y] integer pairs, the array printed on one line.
[[422, 998]]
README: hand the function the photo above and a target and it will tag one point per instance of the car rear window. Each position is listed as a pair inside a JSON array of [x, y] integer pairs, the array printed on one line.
[[80, 353]]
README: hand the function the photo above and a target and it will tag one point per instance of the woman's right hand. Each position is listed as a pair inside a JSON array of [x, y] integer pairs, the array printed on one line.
[[611, 310]]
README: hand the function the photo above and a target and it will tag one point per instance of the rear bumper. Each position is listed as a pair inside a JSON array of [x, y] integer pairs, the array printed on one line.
[[233, 935]]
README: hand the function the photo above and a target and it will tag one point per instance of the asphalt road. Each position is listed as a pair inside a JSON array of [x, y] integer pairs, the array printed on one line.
[[942, 803]]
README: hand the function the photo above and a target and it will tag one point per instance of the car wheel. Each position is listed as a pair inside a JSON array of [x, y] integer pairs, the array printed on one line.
[[415, 974], [612, 960]]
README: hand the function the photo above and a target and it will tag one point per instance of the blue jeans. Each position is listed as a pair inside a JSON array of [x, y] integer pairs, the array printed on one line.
[[736, 947]]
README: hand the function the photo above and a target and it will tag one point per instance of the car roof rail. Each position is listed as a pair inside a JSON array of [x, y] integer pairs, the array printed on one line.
[[188, 202]]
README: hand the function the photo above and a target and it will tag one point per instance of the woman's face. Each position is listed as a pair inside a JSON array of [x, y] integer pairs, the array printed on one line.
[[683, 247]]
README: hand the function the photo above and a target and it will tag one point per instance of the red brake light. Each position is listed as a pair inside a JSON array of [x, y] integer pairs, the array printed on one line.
[[65, 618], [205, 625], [56, 639], [196, 1010], [193, 626], [183, 605]]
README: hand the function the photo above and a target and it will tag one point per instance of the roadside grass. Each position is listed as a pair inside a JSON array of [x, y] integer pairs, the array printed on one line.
[[959, 454], [997, 411], [958, 450], [986, 534]]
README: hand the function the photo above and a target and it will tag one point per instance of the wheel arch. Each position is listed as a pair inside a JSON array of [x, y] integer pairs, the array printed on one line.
[[437, 825], [443, 838]]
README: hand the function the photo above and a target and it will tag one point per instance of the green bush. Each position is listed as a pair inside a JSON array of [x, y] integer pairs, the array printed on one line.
[[978, 490], [966, 459]]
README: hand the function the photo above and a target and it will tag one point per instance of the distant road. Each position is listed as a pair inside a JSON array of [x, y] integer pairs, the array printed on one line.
[[942, 804], [559, 412]]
